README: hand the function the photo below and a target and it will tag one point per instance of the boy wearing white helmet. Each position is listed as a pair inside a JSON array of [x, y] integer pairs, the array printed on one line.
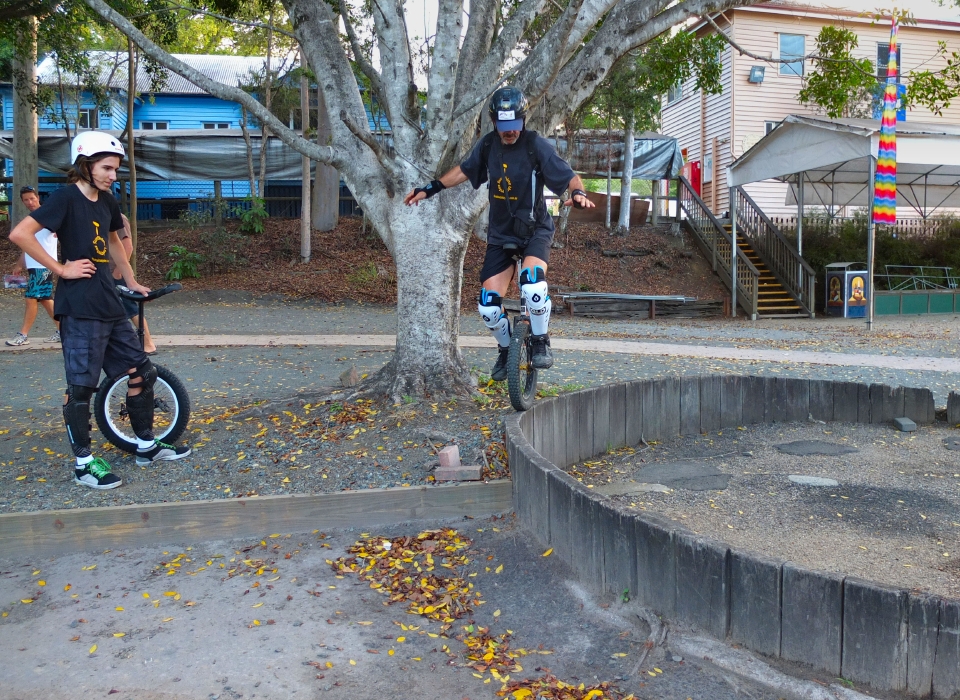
[[94, 328]]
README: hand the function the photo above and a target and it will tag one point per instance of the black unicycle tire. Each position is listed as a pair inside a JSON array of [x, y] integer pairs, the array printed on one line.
[[171, 410], [521, 374]]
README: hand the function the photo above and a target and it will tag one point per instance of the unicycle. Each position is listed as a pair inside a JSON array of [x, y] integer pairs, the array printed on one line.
[[521, 374], [171, 403]]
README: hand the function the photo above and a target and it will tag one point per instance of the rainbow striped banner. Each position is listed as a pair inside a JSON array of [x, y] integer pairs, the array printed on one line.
[[885, 183]]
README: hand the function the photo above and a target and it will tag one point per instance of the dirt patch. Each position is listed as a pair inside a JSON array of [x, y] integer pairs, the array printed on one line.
[[892, 517], [352, 263]]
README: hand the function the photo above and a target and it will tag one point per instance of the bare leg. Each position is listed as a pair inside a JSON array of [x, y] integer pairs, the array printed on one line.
[[148, 344], [29, 315], [47, 305]]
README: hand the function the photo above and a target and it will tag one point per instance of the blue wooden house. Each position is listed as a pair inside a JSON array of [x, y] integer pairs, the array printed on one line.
[[177, 105]]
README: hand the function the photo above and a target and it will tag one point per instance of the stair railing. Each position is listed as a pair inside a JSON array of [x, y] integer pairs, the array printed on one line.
[[786, 264], [717, 245]]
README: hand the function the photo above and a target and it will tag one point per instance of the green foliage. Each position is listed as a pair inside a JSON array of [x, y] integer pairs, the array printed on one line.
[[223, 250], [635, 85], [824, 243], [365, 274], [253, 218], [841, 85], [185, 264]]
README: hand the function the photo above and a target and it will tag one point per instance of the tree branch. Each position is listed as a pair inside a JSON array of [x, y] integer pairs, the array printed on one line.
[[443, 66], [231, 20], [749, 54], [480, 27], [396, 67], [323, 154], [376, 86]]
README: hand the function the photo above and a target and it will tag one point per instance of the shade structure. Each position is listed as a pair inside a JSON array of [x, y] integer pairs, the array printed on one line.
[[834, 156]]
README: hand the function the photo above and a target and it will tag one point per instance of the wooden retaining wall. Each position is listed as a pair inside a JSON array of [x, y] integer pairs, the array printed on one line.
[[889, 638]]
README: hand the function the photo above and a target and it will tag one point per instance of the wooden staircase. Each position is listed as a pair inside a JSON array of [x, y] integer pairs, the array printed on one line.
[[773, 299]]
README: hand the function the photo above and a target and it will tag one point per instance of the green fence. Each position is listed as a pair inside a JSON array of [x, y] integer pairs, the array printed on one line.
[[920, 302]]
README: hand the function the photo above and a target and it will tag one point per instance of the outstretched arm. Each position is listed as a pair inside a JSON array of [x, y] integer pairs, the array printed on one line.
[[451, 178], [578, 197]]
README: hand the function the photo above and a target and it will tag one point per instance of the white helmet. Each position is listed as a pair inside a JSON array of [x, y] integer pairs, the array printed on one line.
[[90, 143]]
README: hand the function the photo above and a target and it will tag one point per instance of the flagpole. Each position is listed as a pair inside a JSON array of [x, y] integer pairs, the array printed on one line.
[[871, 236], [883, 167]]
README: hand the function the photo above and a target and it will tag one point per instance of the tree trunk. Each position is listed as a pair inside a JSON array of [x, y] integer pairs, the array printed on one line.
[[305, 196], [246, 139], [326, 189], [606, 218], [626, 180], [429, 244], [25, 159], [131, 162], [267, 100]]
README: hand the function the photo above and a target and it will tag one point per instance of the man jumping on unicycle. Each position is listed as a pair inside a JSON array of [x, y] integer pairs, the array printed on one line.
[[516, 163]]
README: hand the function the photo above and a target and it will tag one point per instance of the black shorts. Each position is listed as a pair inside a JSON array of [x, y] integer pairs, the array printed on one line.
[[131, 307], [497, 259], [91, 345]]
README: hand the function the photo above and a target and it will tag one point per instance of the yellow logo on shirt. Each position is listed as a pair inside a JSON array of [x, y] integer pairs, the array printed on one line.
[[99, 245], [500, 181]]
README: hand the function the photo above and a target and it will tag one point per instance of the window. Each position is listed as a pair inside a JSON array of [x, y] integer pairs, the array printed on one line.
[[88, 119], [883, 55], [216, 125], [769, 126], [154, 125], [792, 46], [675, 93]]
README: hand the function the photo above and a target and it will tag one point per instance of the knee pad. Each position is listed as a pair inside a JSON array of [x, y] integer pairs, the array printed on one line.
[[533, 283], [490, 306], [140, 407], [76, 416]]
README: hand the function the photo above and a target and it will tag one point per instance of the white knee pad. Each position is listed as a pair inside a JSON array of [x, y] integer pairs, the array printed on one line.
[[490, 307], [534, 286]]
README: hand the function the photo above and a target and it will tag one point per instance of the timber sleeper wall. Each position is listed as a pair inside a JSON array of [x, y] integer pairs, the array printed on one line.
[[890, 638]]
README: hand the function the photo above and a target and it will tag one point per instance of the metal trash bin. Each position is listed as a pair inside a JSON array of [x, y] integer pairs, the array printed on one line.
[[847, 294]]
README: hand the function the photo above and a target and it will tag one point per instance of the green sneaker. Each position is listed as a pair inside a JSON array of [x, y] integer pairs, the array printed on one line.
[[96, 475], [161, 452]]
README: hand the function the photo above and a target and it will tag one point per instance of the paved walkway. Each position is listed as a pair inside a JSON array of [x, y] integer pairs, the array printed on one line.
[[625, 347]]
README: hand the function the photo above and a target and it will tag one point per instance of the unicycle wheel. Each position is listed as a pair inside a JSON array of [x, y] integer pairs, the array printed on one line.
[[521, 374]]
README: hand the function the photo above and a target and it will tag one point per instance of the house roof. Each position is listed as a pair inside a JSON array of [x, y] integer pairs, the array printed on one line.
[[112, 69]]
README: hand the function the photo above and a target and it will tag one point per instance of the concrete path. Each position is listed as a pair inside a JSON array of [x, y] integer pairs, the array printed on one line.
[[624, 347]]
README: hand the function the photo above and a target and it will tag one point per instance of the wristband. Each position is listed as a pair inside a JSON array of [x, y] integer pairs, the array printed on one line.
[[574, 194], [433, 188]]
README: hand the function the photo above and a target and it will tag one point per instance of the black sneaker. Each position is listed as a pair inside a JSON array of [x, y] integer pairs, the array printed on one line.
[[161, 452], [499, 371], [542, 354], [96, 475]]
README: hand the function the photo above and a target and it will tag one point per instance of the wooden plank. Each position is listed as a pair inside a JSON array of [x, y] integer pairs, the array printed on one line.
[[690, 405], [651, 392], [709, 403], [731, 401], [618, 406], [56, 532], [670, 418], [633, 410]]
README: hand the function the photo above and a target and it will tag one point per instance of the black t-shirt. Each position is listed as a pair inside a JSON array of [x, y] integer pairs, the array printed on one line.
[[508, 171], [83, 228]]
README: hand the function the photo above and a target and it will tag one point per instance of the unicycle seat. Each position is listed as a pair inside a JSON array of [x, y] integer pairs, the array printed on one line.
[[128, 293]]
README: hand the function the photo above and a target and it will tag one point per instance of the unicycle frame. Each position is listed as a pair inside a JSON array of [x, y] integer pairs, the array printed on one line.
[[521, 377]]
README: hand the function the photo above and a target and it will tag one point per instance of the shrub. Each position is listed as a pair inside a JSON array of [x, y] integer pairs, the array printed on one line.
[[253, 219], [185, 263]]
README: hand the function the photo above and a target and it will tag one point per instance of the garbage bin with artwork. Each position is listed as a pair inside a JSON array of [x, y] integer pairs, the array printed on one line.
[[846, 290]]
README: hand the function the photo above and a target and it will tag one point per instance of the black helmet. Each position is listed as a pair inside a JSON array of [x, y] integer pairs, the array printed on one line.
[[508, 108]]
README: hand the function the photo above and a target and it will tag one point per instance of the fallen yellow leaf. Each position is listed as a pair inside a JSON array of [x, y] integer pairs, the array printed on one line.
[[166, 619], [547, 553], [119, 634], [499, 569], [93, 648], [257, 605]]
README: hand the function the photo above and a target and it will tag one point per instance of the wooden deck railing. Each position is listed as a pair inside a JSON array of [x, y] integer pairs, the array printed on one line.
[[786, 264], [717, 245]]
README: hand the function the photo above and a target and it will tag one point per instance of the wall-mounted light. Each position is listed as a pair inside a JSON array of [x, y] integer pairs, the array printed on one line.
[[756, 74]]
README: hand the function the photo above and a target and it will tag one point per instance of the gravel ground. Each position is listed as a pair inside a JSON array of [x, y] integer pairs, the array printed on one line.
[[894, 515]]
